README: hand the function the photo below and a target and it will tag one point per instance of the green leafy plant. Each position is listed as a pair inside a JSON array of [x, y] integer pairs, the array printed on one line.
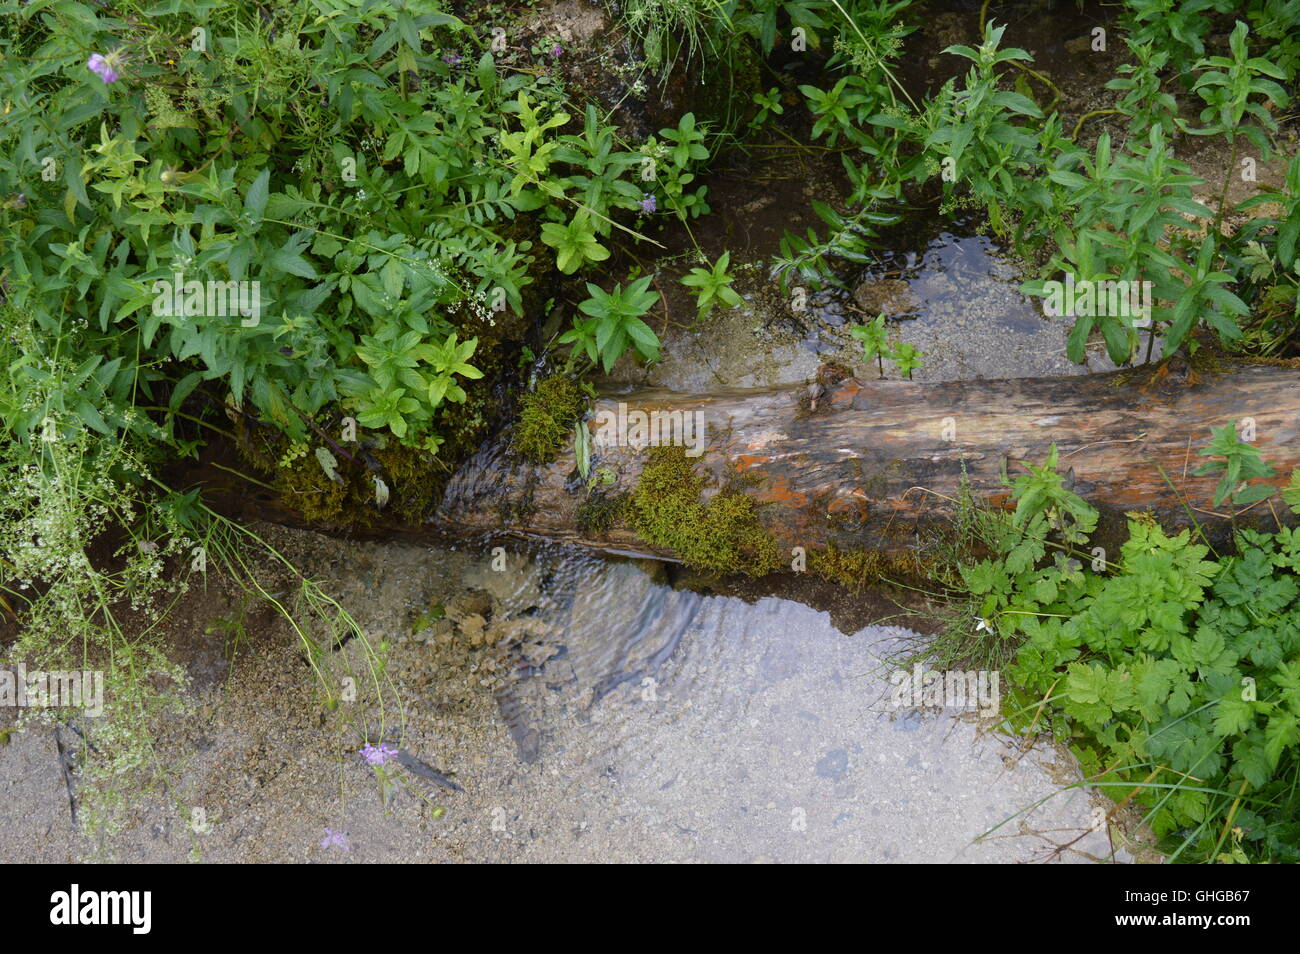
[[1171, 675], [575, 243], [613, 324], [1177, 28], [981, 130], [769, 105], [1241, 462], [907, 357], [875, 341], [874, 336], [670, 157], [1145, 101], [712, 285]]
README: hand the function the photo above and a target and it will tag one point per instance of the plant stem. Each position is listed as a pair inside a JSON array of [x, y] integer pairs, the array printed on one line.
[[1223, 195], [1087, 116]]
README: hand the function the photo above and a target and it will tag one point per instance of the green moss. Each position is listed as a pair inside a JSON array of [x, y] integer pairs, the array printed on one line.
[[722, 536], [427, 617], [416, 478], [307, 489], [597, 514], [858, 568], [546, 416]]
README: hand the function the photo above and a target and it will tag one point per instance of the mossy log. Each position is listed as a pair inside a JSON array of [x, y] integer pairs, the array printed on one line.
[[878, 465]]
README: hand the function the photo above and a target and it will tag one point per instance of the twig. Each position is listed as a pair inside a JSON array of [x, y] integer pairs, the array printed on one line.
[[65, 763], [1095, 112], [1131, 440]]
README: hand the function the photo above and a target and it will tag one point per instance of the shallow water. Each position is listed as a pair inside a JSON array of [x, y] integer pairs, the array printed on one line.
[[747, 732], [590, 712], [945, 287]]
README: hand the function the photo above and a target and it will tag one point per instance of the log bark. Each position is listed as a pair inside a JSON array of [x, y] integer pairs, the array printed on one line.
[[877, 464]]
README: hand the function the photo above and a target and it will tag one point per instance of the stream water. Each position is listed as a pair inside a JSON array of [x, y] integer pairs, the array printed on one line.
[[589, 711]]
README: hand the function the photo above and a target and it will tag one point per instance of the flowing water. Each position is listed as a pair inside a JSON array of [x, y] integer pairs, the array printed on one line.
[[588, 711]]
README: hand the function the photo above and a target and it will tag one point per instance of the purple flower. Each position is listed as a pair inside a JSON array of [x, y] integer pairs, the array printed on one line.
[[336, 839], [556, 50], [377, 755], [106, 67], [648, 203], [452, 58]]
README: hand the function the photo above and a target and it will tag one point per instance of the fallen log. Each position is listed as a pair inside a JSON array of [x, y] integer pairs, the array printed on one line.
[[875, 465]]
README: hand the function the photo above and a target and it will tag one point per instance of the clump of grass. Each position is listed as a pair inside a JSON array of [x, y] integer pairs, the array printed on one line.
[[668, 28], [721, 536], [546, 416], [971, 533]]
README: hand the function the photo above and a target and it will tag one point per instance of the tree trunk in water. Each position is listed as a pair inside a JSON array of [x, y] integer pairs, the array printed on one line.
[[876, 465]]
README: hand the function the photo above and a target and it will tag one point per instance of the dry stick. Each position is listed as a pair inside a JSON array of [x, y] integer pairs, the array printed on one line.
[[1132, 440], [65, 764], [1229, 516], [1223, 195], [329, 440], [189, 417], [1042, 704], [323, 436]]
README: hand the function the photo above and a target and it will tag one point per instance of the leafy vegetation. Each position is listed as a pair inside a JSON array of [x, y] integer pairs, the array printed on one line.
[[1169, 669], [320, 221], [876, 344]]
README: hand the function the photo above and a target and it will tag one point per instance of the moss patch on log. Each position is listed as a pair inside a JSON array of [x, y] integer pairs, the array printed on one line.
[[855, 569], [721, 536], [545, 417], [598, 514]]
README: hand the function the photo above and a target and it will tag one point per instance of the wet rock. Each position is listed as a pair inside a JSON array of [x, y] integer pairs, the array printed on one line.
[[570, 21], [656, 570], [892, 297], [439, 633], [516, 585], [537, 653], [472, 627], [475, 602], [515, 631]]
